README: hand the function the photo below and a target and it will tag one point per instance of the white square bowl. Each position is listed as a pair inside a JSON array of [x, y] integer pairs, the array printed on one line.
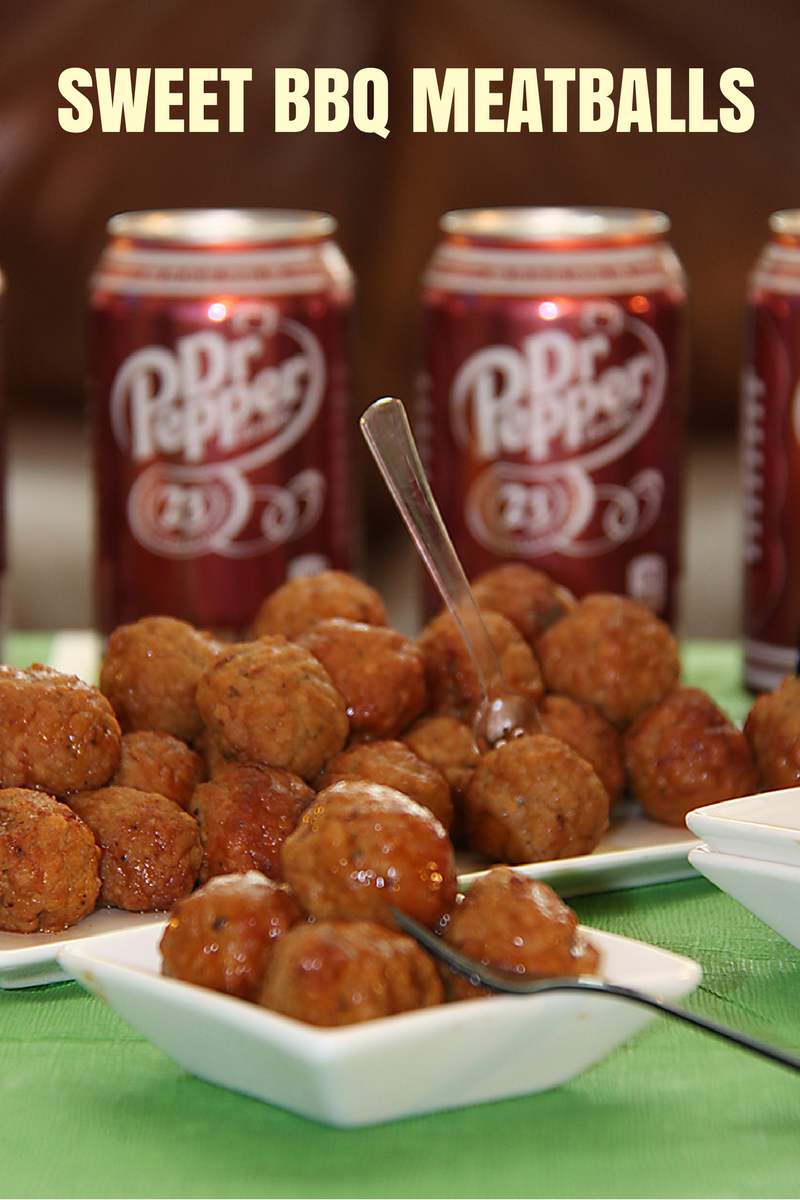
[[449, 1056], [765, 826], [769, 890]]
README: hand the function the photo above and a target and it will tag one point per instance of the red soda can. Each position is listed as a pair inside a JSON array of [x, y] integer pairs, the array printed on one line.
[[219, 388], [770, 434], [551, 410]]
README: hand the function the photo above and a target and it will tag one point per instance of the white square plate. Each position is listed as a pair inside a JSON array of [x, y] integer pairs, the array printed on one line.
[[770, 890], [439, 1058], [765, 826]]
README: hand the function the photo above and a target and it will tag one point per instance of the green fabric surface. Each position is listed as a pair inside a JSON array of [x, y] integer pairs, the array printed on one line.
[[88, 1108]]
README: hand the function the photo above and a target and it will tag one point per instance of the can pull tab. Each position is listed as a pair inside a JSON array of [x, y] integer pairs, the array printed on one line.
[[503, 712]]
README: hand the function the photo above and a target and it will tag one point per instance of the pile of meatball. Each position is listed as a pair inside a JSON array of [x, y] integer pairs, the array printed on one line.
[[328, 762]]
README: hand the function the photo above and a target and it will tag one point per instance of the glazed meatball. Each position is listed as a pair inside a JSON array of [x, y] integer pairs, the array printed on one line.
[[272, 701], [395, 764], [534, 799], [362, 848], [150, 672], [612, 652], [158, 762], [379, 672], [299, 603], [684, 753], [447, 743], [344, 972], [452, 682], [528, 597], [581, 726], [245, 813], [519, 925], [48, 863], [221, 937], [150, 849], [773, 731], [57, 733]]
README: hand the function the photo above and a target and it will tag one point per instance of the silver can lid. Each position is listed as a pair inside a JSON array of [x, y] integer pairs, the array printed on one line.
[[555, 224], [786, 221], [221, 226]]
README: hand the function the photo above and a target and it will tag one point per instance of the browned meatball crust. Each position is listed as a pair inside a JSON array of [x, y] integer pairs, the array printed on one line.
[[581, 726], [685, 752], [272, 701], [152, 761], [57, 733], [447, 743], [332, 973], [48, 863], [361, 848], [222, 935], [395, 764], [379, 672], [534, 799], [519, 925], [150, 849], [245, 813], [528, 597], [150, 671], [773, 730], [299, 603], [612, 652], [452, 682]]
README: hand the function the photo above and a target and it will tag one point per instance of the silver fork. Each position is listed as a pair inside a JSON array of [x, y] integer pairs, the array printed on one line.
[[499, 981]]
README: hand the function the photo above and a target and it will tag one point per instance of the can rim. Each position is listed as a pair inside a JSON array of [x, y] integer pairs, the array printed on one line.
[[786, 220], [551, 224], [213, 226]]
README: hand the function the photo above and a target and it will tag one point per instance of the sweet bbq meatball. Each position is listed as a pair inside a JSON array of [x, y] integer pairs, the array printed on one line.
[[773, 730], [152, 761], [452, 682], [361, 848], [48, 863], [221, 937], [344, 972], [685, 752], [395, 764], [298, 604], [272, 701], [150, 849], [379, 672], [245, 813], [150, 671], [519, 925], [533, 799], [582, 727], [612, 652], [528, 597], [447, 743], [57, 733]]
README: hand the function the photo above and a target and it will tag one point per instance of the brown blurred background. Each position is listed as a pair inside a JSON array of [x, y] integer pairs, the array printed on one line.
[[57, 189]]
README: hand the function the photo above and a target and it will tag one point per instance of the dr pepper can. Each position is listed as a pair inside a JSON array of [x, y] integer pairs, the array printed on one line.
[[219, 386], [552, 405], [770, 433]]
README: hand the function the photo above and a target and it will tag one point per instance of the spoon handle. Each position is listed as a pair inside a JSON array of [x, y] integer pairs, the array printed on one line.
[[496, 981], [388, 434]]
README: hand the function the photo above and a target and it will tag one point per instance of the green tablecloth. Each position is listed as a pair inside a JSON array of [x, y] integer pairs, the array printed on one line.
[[90, 1109]]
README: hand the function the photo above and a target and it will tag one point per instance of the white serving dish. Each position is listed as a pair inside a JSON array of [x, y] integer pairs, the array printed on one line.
[[440, 1058], [765, 826], [770, 890], [30, 959]]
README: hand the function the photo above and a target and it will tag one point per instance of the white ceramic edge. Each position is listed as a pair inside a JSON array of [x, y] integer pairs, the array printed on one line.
[[31, 959], [429, 1060], [770, 891], [737, 826]]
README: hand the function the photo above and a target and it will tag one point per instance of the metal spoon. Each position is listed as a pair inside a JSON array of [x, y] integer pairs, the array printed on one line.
[[499, 981], [502, 712]]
